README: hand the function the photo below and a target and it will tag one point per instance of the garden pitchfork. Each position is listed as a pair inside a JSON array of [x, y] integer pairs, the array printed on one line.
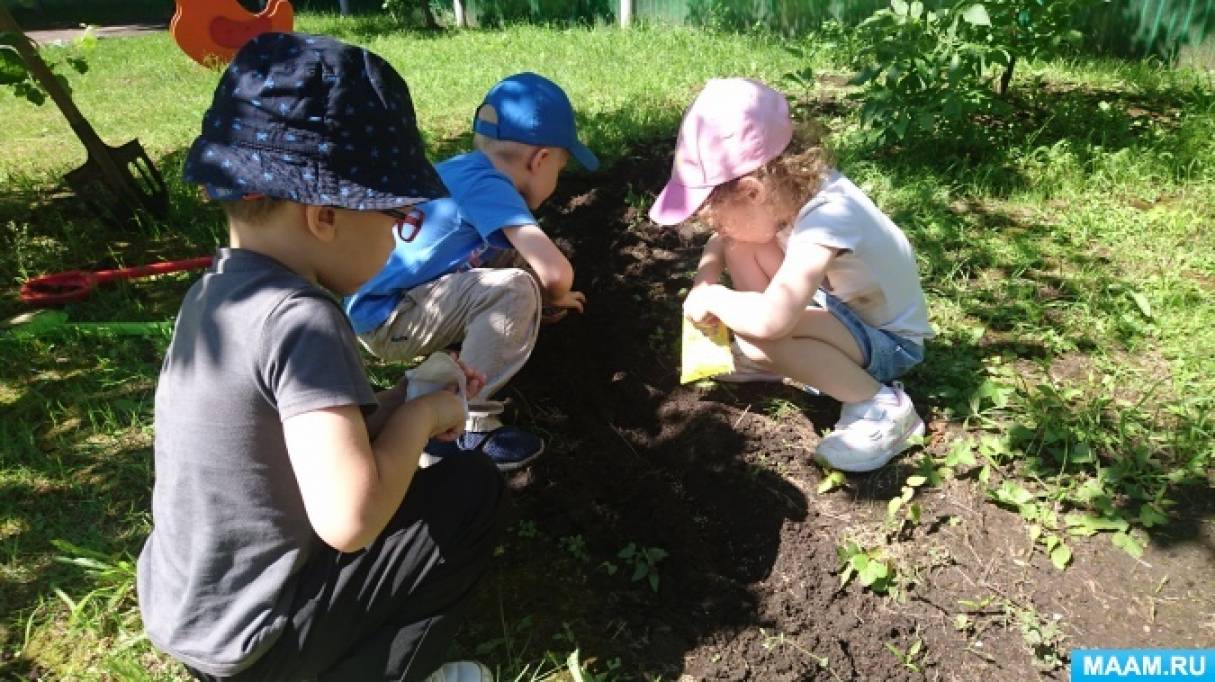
[[106, 181]]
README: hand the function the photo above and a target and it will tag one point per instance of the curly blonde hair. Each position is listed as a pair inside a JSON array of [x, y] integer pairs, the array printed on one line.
[[791, 178]]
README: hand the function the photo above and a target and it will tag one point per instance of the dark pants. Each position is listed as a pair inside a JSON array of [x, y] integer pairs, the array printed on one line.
[[390, 611]]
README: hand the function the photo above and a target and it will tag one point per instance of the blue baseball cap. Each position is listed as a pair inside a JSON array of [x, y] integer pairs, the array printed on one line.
[[534, 110], [314, 120]]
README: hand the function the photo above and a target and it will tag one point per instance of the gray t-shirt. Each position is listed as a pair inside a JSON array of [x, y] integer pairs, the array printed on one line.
[[254, 344]]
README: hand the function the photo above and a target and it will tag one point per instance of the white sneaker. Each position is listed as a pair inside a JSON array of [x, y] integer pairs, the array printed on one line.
[[482, 416], [462, 671], [870, 433]]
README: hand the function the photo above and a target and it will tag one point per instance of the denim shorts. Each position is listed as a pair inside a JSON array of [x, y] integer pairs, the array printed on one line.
[[886, 355]]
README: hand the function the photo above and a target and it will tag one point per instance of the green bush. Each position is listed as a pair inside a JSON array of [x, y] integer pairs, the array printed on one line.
[[16, 77], [929, 70]]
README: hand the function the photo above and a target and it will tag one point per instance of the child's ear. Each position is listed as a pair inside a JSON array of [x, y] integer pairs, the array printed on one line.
[[539, 158], [753, 190], [322, 222]]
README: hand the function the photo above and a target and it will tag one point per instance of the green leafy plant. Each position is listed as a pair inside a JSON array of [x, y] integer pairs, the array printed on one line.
[[926, 69], [575, 546], [1043, 636], [644, 561], [1042, 518], [908, 658], [929, 471], [581, 671], [526, 528], [1101, 458], [911, 512], [781, 409], [868, 566], [832, 479], [15, 75]]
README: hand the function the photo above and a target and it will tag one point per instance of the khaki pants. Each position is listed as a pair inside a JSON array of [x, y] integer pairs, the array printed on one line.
[[494, 313]]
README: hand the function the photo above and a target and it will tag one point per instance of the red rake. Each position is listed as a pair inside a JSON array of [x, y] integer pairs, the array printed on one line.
[[75, 285]]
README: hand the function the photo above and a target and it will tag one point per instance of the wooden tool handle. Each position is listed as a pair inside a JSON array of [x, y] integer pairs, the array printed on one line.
[[51, 84]]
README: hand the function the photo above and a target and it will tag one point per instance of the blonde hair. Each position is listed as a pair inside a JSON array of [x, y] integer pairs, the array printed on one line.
[[790, 179], [251, 211], [505, 150]]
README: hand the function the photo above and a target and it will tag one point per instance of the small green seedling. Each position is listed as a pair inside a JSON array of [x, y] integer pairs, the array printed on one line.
[[645, 562], [780, 639], [908, 658], [575, 545], [867, 566], [832, 479]]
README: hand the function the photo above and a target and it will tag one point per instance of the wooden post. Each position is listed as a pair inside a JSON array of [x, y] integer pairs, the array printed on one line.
[[626, 13], [457, 7]]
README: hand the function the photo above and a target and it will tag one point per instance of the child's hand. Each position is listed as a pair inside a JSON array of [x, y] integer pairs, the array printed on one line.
[[448, 410], [572, 300], [696, 305], [552, 314], [475, 380]]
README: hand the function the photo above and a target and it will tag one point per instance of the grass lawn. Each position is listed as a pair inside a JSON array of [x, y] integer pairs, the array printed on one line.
[[1069, 265]]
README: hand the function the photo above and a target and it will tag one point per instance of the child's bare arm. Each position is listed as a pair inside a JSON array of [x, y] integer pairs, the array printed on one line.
[[752, 266], [772, 313], [351, 486], [712, 262], [552, 268], [389, 400]]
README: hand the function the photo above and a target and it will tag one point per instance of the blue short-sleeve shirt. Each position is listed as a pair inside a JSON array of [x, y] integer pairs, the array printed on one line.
[[458, 233]]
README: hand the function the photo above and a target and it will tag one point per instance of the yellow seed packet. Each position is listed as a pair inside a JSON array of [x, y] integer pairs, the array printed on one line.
[[705, 354]]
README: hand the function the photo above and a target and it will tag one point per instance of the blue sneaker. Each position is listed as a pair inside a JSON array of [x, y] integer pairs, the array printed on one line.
[[510, 447]]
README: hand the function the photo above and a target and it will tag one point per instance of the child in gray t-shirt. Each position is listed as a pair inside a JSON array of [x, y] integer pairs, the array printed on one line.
[[284, 545]]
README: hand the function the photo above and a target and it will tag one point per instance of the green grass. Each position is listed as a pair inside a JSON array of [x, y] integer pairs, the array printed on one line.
[[1067, 255], [144, 87]]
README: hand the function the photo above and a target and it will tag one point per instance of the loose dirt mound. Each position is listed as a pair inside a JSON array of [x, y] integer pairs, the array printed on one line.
[[720, 479]]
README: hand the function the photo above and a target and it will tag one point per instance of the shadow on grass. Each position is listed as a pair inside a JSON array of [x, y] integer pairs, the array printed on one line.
[[74, 470]]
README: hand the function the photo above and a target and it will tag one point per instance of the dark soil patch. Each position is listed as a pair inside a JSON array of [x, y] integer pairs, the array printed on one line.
[[721, 480]]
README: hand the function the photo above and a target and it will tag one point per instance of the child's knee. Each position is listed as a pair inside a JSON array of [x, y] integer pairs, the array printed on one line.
[[518, 289]]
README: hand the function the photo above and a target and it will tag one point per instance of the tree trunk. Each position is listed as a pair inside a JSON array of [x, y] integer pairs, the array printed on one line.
[[1006, 78], [428, 18]]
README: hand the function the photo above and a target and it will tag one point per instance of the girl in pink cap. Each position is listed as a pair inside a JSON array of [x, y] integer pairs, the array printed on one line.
[[826, 291]]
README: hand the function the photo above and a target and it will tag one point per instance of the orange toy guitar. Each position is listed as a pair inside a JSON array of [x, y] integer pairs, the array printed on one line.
[[211, 31]]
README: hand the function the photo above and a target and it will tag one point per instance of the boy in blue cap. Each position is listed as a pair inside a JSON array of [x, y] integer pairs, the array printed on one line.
[[440, 288], [284, 545]]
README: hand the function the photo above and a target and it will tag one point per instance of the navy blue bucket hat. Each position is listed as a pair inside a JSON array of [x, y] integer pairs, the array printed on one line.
[[316, 121]]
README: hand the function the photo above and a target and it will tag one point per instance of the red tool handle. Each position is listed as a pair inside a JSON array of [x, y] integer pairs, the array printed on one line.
[[75, 285], [153, 269]]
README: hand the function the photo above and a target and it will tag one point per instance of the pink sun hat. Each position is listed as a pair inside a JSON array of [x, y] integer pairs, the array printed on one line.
[[734, 126]]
